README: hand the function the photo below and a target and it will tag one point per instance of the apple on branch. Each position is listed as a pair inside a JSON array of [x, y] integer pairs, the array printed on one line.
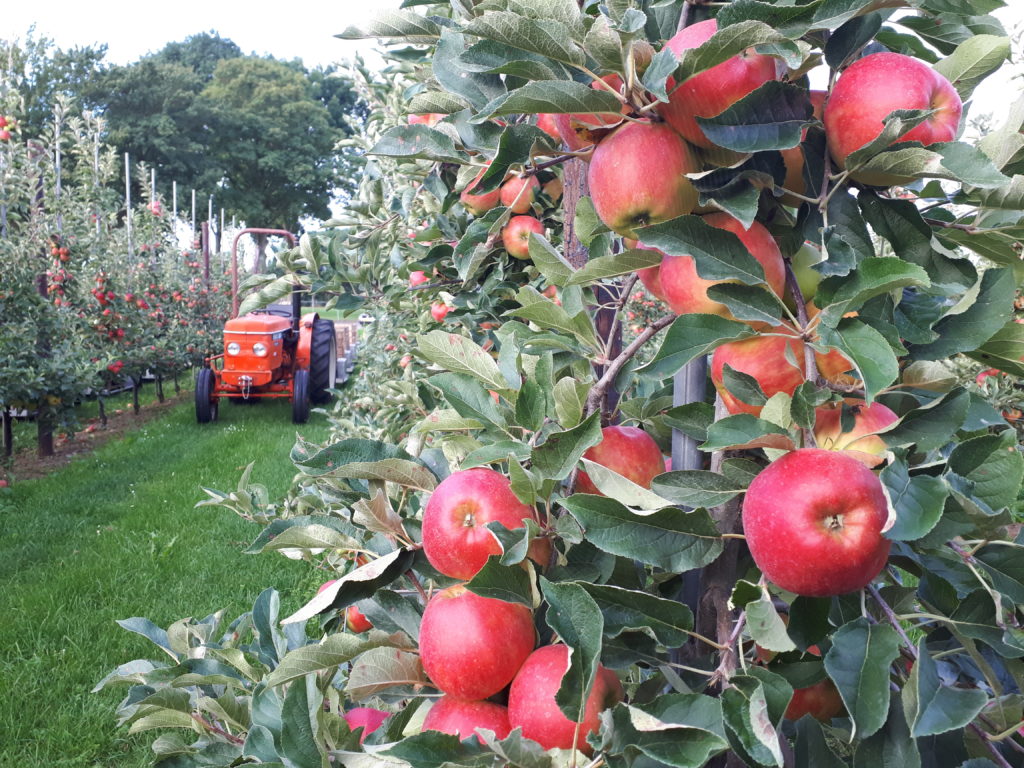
[[367, 718], [813, 521], [518, 193], [629, 451], [532, 705], [873, 87], [472, 646], [461, 718], [637, 177], [861, 441], [515, 235], [479, 203]]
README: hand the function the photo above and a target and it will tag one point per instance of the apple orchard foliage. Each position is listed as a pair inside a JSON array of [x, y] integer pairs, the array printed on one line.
[[921, 668], [109, 312]]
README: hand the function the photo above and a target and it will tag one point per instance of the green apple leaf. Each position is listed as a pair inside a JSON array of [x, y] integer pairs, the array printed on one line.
[[872, 356], [408, 26], [744, 431], [434, 749], [615, 486], [616, 264], [689, 337], [436, 102], [858, 663], [750, 303], [460, 355], [930, 426], [813, 751], [545, 313], [548, 38], [891, 746], [682, 730], [551, 263], [873, 277], [489, 57], [667, 621], [991, 466], [1004, 350], [895, 124], [974, 60], [514, 149], [766, 627], [745, 708], [919, 501], [692, 419], [557, 456], [554, 97], [333, 650], [381, 669], [417, 142], [576, 618], [846, 239], [315, 460], [696, 487], [772, 116], [502, 582], [301, 743], [468, 397], [850, 38], [669, 538], [717, 253], [743, 386], [932, 708], [791, 21]]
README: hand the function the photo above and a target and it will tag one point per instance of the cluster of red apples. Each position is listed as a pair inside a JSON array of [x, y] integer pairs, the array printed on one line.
[[517, 193]]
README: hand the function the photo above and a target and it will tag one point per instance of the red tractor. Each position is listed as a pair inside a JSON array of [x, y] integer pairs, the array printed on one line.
[[272, 352]]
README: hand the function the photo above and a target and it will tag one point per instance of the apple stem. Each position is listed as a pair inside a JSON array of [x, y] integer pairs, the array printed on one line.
[[992, 748], [536, 168], [419, 587], [217, 730]]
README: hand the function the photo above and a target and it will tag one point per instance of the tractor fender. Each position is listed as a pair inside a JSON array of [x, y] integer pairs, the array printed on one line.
[[305, 337]]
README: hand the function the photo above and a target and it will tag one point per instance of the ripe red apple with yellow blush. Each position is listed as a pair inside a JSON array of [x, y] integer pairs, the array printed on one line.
[[764, 358], [461, 718], [580, 131], [515, 235], [813, 522], [471, 646], [650, 277], [546, 122], [821, 701], [532, 706], [479, 203], [430, 118], [873, 87], [637, 177], [518, 193], [456, 539], [714, 90], [629, 451], [356, 621], [687, 292], [861, 442]]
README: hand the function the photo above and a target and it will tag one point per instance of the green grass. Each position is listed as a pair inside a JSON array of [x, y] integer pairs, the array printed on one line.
[[116, 535]]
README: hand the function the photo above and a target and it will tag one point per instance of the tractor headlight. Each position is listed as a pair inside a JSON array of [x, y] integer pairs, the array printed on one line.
[[234, 348], [260, 350]]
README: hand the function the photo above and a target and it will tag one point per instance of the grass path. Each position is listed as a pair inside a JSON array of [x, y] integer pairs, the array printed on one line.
[[116, 535]]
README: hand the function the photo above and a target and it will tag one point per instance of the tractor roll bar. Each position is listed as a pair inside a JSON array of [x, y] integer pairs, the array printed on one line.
[[234, 257]]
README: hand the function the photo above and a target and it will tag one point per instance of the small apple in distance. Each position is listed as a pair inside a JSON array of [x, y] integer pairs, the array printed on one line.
[[461, 718], [532, 706], [870, 89], [518, 193], [472, 646], [456, 539], [417, 277], [439, 310], [515, 235], [861, 442], [356, 621], [367, 718], [813, 521], [687, 292], [629, 451], [430, 119], [637, 177], [714, 90]]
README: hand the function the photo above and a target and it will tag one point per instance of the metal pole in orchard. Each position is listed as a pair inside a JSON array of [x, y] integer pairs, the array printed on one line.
[[193, 218], [174, 202], [128, 200], [220, 251], [57, 173], [96, 178], [152, 186]]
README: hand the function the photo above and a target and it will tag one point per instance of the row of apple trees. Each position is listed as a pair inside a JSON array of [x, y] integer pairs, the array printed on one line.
[[525, 363], [88, 306]]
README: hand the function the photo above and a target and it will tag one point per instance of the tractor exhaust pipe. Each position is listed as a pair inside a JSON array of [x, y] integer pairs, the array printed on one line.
[[296, 308]]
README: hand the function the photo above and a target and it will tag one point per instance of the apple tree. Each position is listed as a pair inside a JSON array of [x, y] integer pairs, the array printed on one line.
[[827, 574]]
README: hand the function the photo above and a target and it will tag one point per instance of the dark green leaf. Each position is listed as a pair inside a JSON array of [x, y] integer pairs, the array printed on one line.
[[750, 303], [717, 253], [930, 426], [812, 750], [668, 621], [624, 263], [746, 431], [669, 538], [766, 626], [501, 582], [771, 117], [918, 501], [858, 663], [691, 336], [553, 97], [972, 61], [932, 708], [992, 466], [890, 746], [682, 730], [872, 356], [696, 488], [302, 746], [578, 621], [556, 457], [850, 38], [417, 141]]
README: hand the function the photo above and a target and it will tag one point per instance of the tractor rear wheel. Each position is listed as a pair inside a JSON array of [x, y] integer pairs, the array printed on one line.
[[206, 404], [323, 360], [300, 396]]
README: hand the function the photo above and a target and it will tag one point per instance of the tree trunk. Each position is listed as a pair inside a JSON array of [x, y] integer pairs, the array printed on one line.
[[44, 433], [261, 254], [103, 411], [136, 386], [160, 389], [8, 433]]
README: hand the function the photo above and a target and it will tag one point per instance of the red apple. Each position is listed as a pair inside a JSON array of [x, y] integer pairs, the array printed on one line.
[[479, 204], [461, 718], [439, 310], [472, 646], [793, 158], [367, 718], [813, 521], [532, 706], [356, 621], [546, 122], [518, 193], [651, 276], [821, 701], [430, 119], [456, 540], [686, 292], [418, 277], [861, 442], [764, 358], [5, 135], [638, 177], [876, 85], [714, 90], [627, 450], [515, 235]]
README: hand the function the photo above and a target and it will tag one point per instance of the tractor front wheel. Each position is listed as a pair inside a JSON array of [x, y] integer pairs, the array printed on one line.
[[206, 403], [300, 396]]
